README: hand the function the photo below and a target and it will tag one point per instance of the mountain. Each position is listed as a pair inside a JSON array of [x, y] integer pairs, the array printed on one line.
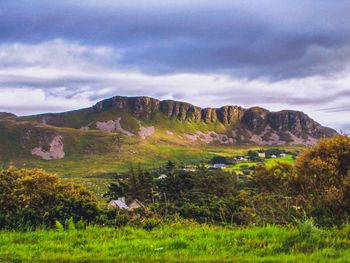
[[118, 121]]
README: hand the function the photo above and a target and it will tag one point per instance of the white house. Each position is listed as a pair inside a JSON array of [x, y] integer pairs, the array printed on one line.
[[219, 165], [162, 176]]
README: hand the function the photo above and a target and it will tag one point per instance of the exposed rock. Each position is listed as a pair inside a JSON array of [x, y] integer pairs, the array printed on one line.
[[144, 107], [230, 114], [210, 137], [169, 132], [111, 126], [144, 132], [191, 137], [53, 151]]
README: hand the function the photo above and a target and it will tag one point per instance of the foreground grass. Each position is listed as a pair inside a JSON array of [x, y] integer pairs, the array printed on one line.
[[178, 243]]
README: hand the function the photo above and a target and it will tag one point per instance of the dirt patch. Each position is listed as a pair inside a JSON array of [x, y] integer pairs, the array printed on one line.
[[54, 151]]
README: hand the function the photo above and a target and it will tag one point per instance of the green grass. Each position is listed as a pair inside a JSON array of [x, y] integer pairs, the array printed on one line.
[[268, 162], [178, 243], [91, 156], [287, 159]]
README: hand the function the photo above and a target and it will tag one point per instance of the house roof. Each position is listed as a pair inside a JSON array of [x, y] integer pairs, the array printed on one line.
[[137, 201], [118, 203]]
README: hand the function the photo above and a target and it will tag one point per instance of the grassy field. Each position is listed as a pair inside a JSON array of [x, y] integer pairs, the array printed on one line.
[[179, 243], [268, 162], [95, 170]]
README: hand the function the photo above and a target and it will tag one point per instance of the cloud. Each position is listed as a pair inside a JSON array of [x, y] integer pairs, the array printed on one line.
[[78, 75], [64, 55], [246, 39]]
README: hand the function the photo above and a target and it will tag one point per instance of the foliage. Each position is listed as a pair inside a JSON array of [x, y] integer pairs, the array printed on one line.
[[31, 197], [219, 159], [318, 186], [322, 176]]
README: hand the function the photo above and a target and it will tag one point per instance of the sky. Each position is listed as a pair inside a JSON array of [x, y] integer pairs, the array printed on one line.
[[63, 55]]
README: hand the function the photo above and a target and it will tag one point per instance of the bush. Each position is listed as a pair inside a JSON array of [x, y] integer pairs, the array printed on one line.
[[151, 223], [30, 198]]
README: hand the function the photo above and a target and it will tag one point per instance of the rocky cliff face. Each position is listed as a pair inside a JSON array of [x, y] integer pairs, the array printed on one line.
[[144, 107], [253, 125]]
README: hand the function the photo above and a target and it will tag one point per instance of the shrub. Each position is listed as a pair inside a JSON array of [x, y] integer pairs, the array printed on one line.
[[32, 197]]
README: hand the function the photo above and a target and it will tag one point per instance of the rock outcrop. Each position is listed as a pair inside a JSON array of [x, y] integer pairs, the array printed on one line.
[[52, 150], [284, 125], [144, 107]]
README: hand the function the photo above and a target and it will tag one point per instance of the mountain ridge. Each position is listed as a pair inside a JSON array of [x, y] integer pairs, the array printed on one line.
[[157, 122]]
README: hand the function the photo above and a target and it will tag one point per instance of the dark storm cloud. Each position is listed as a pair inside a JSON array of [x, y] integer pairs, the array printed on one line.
[[247, 39]]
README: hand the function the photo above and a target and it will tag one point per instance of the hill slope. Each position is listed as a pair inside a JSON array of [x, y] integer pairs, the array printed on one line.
[[118, 121]]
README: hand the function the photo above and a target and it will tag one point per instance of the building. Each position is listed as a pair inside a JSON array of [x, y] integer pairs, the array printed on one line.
[[135, 204], [162, 176], [262, 155], [219, 165], [121, 204]]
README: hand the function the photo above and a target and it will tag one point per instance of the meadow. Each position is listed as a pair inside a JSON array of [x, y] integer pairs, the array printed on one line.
[[179, 243], [96, 171]]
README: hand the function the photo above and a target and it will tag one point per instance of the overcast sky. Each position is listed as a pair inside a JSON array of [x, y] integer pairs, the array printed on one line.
[[276, 54]]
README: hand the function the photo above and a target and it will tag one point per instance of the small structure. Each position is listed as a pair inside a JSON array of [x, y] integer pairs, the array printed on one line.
[[135, 204], [120, 203], [162, 176], [262, 155], [273, 156], [188, 169], [282, 155], [219, 165]]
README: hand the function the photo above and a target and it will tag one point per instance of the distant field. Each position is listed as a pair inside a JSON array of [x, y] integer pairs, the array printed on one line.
[[268, 162], [178, 243]]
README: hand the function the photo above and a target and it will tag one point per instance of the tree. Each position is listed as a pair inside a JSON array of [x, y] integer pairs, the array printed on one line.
[[219, 159], [322, 178], [272, 200], [134, 184], [118, 188], [253, 154]]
